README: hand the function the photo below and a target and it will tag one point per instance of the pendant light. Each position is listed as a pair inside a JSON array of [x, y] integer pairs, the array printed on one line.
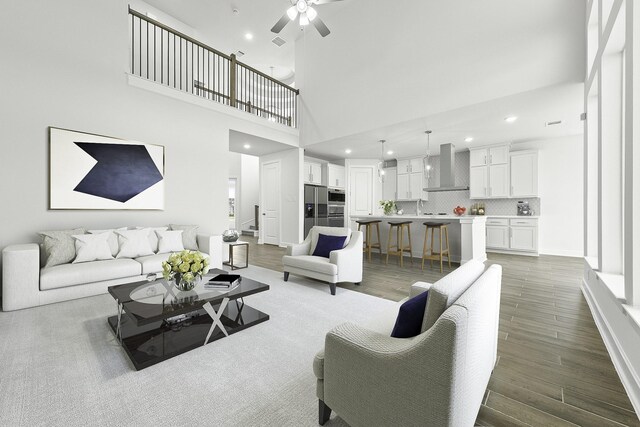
[[427, 160], [381, 163]]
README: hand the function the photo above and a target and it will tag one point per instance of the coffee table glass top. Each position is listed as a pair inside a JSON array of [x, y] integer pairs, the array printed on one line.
[[147, 302]]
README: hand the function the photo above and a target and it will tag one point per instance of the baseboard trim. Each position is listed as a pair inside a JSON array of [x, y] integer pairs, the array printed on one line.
[[561, 252], [629, 381]]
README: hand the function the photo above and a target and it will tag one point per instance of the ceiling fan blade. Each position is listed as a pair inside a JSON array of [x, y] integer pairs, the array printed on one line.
[[281, 23], [321, 27], [325, 1]]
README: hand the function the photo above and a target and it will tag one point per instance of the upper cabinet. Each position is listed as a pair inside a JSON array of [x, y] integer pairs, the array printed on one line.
[[524, 173], [497, 173], [312, 173], [489, 174], [410, 180], [335, 176]]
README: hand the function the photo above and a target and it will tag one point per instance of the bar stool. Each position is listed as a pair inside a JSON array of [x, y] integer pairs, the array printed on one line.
[[400, 248], [442, 227], [368, 228]]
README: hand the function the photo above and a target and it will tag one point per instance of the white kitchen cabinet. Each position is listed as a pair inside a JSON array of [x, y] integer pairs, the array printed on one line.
[[478, 182], [410, 180], [312, 173], [514, 235], [389, 185], [498, 155], [478, 157], [524, 173], [335, 176], [498, 181], [497, 237]]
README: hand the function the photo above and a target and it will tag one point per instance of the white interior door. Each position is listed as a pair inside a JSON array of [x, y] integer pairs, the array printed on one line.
[[360, 191], [270, 195]]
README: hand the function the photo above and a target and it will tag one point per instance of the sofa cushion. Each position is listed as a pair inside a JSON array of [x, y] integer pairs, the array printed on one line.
[[189, 235], [169, 241], [59, 247], [61, 276], [153, 263], [113, 238], [326, 244], [410, 317], [447, 290], [328, 231], [311, 263], [153, 237], [92, 247], [134, 243]]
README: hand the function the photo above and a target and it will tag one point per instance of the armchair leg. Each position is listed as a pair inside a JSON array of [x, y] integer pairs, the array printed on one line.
[[286, 276], [357, 283], [324, 412], [333, 288]]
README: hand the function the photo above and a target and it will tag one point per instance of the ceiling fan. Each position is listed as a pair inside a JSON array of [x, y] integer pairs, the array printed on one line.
[[304, 9]]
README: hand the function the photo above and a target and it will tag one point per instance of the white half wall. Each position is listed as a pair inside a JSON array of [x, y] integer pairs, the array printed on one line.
[[560, 186]]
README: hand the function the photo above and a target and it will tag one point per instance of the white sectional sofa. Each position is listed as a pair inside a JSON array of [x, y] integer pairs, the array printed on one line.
[[26, 284]]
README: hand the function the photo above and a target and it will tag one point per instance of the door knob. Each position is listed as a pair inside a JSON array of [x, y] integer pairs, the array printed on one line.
[[264, 214]]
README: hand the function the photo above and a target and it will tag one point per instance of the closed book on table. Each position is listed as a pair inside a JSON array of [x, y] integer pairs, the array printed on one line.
[[223, 281]]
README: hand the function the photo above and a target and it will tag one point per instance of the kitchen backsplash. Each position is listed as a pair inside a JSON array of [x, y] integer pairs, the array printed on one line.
[[447, 200]]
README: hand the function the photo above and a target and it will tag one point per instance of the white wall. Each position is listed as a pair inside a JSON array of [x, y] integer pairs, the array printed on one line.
[[68, 70], [387, 62], [560, 185], [291, 194]]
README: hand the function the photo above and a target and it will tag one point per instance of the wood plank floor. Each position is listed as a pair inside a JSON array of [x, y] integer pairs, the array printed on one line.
[[553, 368]]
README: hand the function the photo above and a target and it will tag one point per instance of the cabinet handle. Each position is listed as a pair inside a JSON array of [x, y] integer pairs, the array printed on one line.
[[485, 159], [512, 190], [491, 158]]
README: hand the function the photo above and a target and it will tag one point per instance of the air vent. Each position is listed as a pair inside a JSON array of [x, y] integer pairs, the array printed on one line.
[[278, 41], [239, 54], [553, 123]]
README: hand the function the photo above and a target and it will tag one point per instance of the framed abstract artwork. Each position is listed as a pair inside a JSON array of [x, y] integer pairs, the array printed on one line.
[[99, 172]]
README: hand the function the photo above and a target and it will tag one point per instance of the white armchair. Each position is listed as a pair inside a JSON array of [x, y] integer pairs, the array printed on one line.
[[344, 265]]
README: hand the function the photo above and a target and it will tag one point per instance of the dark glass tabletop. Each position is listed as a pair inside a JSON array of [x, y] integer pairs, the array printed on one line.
[[149, 301]]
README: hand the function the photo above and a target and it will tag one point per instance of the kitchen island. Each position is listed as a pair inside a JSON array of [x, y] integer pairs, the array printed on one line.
[[466, 233]]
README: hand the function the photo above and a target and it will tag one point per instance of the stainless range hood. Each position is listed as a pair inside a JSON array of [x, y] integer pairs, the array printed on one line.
[[447, 171]]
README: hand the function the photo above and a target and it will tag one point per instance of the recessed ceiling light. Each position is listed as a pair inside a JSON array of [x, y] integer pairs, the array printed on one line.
[[247, 146], [248, 36], [510, 119], [348, 151], [468, 139], [390, 152]]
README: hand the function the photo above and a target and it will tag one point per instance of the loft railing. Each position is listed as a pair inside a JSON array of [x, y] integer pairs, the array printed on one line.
[[166, 56]]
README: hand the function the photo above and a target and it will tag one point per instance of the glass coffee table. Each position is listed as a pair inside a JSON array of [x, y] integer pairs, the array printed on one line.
[[156, 321]]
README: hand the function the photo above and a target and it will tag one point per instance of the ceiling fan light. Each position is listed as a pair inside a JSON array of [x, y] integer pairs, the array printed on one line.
[[311, 13], [302, 6], [304, 19], [292, 12]]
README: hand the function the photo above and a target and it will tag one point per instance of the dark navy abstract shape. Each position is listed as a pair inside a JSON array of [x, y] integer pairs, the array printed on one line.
[[122, 172]]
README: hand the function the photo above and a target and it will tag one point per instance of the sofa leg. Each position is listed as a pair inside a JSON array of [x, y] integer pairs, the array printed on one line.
[[357, 283], [324, 412], [333, 288], [286, 276]]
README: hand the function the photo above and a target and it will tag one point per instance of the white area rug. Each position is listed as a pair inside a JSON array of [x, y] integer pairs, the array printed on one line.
[[60, 364]]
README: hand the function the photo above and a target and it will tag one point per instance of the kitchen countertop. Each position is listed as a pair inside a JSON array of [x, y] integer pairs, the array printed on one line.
[[414, 216], [513, 216]]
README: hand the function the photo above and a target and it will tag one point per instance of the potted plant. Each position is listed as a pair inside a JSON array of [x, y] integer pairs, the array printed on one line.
[[185, 268]]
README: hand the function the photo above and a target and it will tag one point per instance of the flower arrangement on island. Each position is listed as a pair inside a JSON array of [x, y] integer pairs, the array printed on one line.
[[388, 206], [185, 268]]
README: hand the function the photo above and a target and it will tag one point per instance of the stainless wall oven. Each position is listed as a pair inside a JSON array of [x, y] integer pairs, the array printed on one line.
[[336, 207]]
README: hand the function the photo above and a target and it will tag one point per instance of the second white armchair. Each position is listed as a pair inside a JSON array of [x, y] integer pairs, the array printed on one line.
[[342, 265]]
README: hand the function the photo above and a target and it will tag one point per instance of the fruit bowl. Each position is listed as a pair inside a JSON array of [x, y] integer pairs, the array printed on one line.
[[459, 210]]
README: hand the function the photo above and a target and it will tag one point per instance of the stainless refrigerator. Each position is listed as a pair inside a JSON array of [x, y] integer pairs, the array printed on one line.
[[315, 207]]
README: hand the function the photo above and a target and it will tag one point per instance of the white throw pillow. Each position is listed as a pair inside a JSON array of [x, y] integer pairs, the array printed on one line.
[[113, 238], [134, 243], [153, 238], [92, 247], [170, 241]]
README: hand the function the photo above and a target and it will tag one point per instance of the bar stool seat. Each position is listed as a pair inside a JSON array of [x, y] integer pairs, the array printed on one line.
[[399, 248], [443, 230], [368, 227]]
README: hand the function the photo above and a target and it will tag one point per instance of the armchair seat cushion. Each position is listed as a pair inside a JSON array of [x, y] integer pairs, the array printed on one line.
[[312, 263], [63, 275]]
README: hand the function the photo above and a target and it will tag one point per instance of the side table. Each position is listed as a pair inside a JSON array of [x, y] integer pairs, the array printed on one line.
[[232, 246]]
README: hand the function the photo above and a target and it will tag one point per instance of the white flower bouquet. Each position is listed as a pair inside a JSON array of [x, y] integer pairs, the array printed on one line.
[[388, 206]]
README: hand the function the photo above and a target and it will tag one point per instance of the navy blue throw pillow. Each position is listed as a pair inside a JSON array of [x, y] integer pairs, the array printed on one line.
[[326, 244], [409, 320]]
